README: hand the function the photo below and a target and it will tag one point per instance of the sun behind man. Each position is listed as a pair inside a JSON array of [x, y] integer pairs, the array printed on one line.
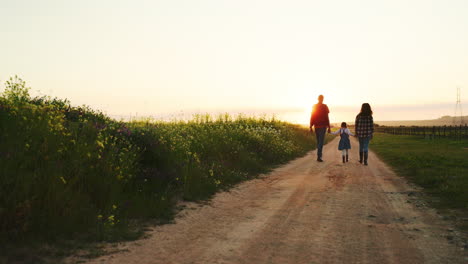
[[319, 119]]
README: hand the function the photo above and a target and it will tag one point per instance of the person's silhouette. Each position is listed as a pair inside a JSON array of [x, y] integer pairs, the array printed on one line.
[[319, 120], [364, 126]]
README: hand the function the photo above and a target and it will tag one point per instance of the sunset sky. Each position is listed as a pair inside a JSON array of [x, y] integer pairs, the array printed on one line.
[[405, 58]]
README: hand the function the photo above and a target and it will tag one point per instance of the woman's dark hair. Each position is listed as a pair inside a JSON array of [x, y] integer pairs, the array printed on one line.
[[343, 124], [366, 110]]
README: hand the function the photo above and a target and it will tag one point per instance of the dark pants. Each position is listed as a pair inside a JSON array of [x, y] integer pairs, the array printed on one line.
[[364, 144], [320, 134]]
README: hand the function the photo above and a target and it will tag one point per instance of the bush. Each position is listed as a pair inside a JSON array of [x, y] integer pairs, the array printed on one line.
[[57, 174], [67, 170]]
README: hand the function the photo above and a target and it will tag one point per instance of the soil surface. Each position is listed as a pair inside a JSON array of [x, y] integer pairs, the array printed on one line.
[[305, 212]]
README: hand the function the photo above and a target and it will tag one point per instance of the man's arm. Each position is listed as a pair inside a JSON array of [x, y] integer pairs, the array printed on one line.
[[312, 120]]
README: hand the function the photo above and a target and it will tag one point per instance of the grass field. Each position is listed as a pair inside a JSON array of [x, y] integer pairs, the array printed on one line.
[[71, 172], [440, 166]]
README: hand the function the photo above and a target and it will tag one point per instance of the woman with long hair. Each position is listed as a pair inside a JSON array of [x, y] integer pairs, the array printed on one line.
[[364, 126]]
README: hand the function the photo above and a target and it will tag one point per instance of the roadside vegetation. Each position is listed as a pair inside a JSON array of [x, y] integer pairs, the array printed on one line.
[[440, 166], [70, 172]]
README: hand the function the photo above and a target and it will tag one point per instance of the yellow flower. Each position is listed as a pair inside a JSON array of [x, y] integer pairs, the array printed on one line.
[[99, 217], [63, 180], [100, 144], [114, 206]]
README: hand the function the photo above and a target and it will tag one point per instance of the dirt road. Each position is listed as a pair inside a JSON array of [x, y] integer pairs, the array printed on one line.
[[305, 212]]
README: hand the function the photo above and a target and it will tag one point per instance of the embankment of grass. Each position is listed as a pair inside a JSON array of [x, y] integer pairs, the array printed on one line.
[[440, 166], [73, 173]]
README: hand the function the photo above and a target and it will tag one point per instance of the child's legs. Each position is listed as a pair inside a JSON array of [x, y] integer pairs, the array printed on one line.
[[344, 152]]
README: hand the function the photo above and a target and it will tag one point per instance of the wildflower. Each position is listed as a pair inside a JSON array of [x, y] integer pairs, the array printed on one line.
[[99, 217], [99, 143], [114, 206], [63, 180]]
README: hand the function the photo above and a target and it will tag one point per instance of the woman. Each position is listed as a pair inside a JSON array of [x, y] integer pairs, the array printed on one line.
[[364, 131]]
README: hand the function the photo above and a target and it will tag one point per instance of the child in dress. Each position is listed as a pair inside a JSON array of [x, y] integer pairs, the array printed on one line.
[[344, 144]]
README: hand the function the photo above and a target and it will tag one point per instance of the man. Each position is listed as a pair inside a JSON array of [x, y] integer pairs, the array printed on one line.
[[319, 119]]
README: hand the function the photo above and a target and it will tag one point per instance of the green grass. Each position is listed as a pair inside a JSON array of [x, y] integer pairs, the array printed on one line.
[[71, 172], [440, 166]]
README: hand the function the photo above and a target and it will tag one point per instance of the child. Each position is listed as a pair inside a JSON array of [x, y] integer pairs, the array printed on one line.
[[344, 144]]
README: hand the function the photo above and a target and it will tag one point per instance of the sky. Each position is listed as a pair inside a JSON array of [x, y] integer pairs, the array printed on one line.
[[164, 58]]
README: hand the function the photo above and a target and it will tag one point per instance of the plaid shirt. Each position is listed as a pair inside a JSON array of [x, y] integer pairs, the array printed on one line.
[[364, 126]]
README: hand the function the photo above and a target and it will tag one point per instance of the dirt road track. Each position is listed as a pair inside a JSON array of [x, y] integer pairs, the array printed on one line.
[[304, 212]]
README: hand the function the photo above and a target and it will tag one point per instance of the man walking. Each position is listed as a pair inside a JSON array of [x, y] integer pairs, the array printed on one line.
[[319, 119]]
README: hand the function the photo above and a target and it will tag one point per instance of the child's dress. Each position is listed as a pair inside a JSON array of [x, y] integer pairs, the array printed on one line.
[[344, 141]]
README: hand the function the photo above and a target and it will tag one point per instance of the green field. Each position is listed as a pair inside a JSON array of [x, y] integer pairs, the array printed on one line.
[[440, 166], [72, 172]]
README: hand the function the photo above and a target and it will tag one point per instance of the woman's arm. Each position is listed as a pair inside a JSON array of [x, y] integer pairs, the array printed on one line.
[[356, 125]]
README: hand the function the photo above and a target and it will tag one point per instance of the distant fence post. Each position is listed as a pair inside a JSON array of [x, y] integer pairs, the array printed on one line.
[[460, 132]]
